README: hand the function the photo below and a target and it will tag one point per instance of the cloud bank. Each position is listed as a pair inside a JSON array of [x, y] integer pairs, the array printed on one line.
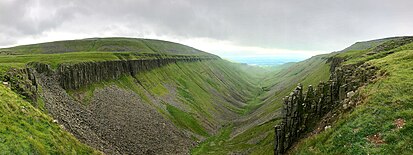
[[242, 27]]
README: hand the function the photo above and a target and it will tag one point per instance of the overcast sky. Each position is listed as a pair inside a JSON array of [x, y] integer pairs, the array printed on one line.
[[283, 28]]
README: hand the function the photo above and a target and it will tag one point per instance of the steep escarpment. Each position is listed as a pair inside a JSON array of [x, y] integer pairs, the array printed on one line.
[[373, 119], [160, 100], [83, 74], [302, 111], [146, 107], [113, 105]]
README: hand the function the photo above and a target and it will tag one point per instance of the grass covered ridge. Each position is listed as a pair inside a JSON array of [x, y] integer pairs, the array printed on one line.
[[116, 44]]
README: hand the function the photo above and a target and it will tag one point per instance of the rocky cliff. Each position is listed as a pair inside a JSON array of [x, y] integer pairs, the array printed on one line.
[[82, 74], [302, 111], [114, 117], [74, 76]]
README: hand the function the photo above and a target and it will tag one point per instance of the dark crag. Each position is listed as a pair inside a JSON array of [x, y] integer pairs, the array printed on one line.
[[302, 111]]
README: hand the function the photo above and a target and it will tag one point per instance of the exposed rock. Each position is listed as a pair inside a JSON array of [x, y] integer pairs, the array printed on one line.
[[350, 94], [74, 76], [376, 139], [6, 83], [116, 121], [302, 111], [122, 119], [399, 123], [22, 81]]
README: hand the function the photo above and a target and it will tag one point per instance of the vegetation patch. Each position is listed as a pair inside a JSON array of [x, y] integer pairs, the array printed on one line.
[[186, 120], [26, 130]]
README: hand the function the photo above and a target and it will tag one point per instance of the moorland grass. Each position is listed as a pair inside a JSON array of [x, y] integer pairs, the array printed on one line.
[[26, 130]]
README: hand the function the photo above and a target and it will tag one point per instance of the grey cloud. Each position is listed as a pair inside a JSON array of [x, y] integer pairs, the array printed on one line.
[[293, 24], [20, 18]]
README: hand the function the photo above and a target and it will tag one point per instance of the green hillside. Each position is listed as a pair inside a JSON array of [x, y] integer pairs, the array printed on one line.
[[381, 123]]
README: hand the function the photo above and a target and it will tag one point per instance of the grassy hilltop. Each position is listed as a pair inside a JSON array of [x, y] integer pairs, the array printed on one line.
[[93, 50]]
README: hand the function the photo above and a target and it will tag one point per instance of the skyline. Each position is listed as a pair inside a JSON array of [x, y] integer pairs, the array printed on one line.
[[293, 29]]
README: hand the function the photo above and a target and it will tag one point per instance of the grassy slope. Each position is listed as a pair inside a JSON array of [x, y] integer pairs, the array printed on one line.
[[195, 83], [388, 99], [25, 129], [258, 139]]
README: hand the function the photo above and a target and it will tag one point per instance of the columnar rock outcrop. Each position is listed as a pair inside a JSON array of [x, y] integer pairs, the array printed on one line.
[[302, 111], [75, 76], [24, 81]]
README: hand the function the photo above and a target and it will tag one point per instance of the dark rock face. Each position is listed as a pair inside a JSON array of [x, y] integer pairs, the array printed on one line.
[[82, 74], [302, 111], [24, 82]]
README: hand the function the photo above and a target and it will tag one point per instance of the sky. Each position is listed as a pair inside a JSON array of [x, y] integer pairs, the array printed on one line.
[[291, 29]]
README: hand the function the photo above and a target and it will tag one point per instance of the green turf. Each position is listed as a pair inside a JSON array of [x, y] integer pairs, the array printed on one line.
[[186, 120], [26, 130]]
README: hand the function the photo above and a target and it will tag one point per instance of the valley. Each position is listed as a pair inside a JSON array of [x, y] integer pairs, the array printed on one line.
[[142, 96]]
